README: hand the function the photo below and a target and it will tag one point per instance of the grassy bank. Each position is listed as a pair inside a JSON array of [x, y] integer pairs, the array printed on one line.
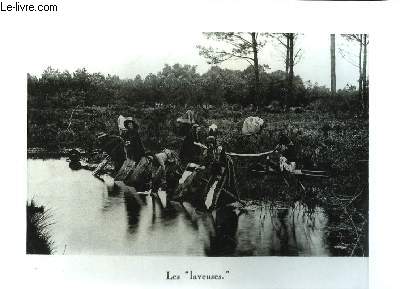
[[321, 137]]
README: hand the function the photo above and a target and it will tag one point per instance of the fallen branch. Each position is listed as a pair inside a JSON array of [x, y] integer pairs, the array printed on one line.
[[70, 118], [355, 197]]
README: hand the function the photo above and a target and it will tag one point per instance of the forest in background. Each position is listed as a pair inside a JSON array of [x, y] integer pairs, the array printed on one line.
[[183, 85]]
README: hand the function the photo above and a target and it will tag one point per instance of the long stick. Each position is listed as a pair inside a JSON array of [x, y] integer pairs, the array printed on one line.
[[251, 155], [233, 196], [298, 173], [312, 172], [313, 175], [236, 154]]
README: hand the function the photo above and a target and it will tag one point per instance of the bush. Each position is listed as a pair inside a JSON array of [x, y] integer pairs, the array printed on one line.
[[344, 101]]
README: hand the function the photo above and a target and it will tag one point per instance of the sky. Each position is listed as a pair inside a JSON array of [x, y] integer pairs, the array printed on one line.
[[147, 52]]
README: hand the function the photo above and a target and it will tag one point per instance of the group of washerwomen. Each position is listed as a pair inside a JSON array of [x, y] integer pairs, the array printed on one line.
[[171, 171]]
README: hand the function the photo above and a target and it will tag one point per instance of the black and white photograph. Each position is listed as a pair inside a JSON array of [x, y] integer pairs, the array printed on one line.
[[241, 144], [212, 144]]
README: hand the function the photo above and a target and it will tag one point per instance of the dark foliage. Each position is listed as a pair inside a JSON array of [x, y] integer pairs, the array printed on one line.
[[177, 84], [38, 240]]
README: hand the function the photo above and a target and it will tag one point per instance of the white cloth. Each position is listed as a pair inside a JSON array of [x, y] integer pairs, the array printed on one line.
[[187, 172], [212, 128], [165, 156], [285, 166], [185, 175], [252, 125], [188, 117], [210, 195], [121, 120]]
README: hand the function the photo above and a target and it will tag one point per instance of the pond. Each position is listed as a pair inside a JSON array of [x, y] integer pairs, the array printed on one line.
[[89, 217]]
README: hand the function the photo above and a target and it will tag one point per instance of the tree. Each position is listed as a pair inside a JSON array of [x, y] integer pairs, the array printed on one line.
[[363, 41], [213, 85], [180, 84], [292, 57], [364, 73], [244, 46], [283, 39], [138, 82], [291, 64], [333, 65], [152, 89]]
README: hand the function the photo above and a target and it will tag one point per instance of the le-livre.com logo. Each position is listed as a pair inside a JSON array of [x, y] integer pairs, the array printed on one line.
[[21, 7]]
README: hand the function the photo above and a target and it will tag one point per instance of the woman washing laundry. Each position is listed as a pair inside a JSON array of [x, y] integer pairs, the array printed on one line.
[[133, 144]]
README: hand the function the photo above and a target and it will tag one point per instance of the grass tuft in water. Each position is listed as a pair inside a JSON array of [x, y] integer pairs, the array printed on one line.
[[38, 239]]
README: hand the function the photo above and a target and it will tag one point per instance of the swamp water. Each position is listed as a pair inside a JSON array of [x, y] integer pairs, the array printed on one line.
[[91, 218]]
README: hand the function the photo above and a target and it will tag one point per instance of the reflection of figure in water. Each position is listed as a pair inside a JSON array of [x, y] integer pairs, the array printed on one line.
[[133, 209], [224, 241]]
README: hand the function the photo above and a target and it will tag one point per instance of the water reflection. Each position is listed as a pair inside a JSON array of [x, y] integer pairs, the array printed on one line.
[[132, 212], [277, 231], [223, 242], [93, 218]]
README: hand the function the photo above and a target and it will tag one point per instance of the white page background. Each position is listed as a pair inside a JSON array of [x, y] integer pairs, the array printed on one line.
[[27, 40]]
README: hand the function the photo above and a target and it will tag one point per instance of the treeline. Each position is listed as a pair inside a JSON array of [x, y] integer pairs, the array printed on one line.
[[177, 85]]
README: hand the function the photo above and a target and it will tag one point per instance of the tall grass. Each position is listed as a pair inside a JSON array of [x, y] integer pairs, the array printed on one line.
[[38, 221]]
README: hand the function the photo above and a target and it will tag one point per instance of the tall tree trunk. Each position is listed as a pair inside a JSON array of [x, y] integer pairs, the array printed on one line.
[[256, 69], [364, 89], [291, 64], [287, 54], [360, 72], [333, 65]]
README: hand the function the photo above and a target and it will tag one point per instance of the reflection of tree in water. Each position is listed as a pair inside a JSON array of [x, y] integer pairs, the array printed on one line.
[[224, 242], [309, 224], [280, 237], [281, 230]]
